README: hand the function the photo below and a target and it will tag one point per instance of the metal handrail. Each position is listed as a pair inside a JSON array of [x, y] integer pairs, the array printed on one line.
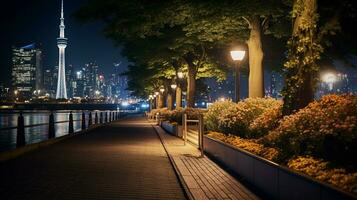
[[43, 124], [34, 125], [193, 120]]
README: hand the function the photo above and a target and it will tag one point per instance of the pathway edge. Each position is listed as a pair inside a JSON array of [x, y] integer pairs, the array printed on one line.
[[187, 191]]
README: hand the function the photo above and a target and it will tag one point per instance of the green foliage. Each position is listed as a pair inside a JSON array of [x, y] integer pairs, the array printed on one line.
[[235, 118], [211, 117]]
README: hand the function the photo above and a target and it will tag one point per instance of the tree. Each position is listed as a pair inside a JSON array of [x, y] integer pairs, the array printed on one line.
[[228, 21], [128, 22], [310, 37]]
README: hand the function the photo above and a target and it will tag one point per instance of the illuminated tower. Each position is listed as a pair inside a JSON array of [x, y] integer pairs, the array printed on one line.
[[62, 44]]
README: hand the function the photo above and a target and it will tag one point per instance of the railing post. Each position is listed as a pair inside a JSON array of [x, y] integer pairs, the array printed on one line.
[[96, 118], [83, 121], [90, 120], [110, 116], [20, 138], [113, 116], [185, 127], [70, 123], [51, 126], [200, 134]]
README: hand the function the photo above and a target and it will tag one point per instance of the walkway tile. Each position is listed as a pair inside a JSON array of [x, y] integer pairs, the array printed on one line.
[[202, 177]]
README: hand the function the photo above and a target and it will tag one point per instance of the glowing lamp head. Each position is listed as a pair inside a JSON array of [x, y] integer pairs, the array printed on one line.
[[237, 55], [180, 74], [157, 93], [329, 78], [162, 90], [174, 86], [222, 99]]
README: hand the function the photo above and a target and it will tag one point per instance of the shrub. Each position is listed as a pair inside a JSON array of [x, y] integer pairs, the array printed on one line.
[[326, 128], [237, 118], [250, 145], [211, 117], [176, 115], [322, 170], [266, 122]]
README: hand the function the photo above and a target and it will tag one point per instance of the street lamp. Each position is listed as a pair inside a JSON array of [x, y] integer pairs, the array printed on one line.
[[157, 93], [329, 79], [162, 90], [180, 74], [237, 57], [173, 86]]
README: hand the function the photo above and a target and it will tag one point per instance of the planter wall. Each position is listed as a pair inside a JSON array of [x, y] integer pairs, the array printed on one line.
[[175, 130], [276, 181]]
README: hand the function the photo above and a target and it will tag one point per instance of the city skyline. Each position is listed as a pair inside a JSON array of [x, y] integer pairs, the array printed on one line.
[[39, 25]]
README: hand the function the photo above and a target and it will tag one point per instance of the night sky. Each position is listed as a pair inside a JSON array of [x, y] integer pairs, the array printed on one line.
[[27, 21]]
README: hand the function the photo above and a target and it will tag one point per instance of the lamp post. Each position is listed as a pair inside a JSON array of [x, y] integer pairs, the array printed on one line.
[[180, 76], [237, 56], [161, 97]]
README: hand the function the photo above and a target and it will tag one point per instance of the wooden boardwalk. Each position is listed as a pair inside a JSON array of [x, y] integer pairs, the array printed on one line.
[[122, 160], [202, 178]]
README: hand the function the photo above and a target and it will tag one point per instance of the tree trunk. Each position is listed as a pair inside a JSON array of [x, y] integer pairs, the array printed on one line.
[[157, 102], [306, 92], [191, 86], [299, 91], [256, 71], [169, 102], [151, 105], [160, 101], [178, 96]]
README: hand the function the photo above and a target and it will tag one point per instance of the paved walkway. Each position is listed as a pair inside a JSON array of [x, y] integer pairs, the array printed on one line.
[[202, 178], [123, 160]]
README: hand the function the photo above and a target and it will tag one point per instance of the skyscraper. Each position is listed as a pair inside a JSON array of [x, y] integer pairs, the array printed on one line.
[[27, 70], [62, 44], [91, 74]]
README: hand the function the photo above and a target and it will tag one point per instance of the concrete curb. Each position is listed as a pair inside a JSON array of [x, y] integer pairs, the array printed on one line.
[[187, 191]]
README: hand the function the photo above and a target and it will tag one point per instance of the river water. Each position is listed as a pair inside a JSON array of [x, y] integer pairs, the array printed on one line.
[[37, 133]]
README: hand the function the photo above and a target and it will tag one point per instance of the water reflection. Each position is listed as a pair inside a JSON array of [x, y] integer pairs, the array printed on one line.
[[38, 133]]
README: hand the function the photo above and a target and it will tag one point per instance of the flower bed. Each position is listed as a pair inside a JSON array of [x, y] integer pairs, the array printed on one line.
[[247, 144], [319, 140]]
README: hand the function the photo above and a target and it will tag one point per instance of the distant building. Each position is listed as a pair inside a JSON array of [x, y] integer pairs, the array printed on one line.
[[50, 81], [4, 92], [91, 77], [78, 84], [61, 91], [27, 76], [70, 81]]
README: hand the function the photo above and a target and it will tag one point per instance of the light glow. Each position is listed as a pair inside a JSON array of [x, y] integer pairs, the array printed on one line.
[[329, 78], [180, 74], [174, 86], [237, 55]]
